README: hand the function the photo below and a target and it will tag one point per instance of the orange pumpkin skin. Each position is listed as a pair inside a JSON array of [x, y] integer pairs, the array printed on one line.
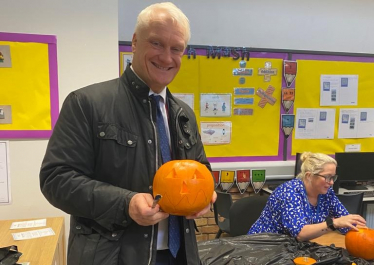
[[186, 187], [360, 243]]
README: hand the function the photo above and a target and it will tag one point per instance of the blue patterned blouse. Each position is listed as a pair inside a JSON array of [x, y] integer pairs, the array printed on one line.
[[288, 210]]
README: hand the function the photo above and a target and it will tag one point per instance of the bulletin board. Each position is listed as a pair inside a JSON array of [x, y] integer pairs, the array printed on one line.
[[253, 137], [259, 137], [29, 86], [307, 95]]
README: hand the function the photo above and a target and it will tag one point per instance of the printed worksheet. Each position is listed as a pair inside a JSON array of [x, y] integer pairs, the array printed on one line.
[[314, 123], [356, 123], [213, 133], [338, 90], [215, 105], [5, 197], [187, 98]]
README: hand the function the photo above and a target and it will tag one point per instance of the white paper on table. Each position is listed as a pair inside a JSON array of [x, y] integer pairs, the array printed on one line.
[[33, 234], [29, 224], [338, 90], [356, 123], [314, 123], [5, 196]]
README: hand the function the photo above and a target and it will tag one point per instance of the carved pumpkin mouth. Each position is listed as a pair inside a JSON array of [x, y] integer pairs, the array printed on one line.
[[186, 187]]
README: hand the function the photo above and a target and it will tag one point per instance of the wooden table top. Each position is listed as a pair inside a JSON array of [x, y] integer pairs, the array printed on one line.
[[332, 237], [38, 250]]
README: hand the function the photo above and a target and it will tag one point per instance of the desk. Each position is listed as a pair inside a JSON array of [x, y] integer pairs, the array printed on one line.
[[366, 202], [332, 237], [38, 251], [366, 199]]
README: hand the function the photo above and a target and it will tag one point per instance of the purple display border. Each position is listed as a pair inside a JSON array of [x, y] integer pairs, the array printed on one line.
[[123, 48], [51, 40], [338, 58], [270, 55]]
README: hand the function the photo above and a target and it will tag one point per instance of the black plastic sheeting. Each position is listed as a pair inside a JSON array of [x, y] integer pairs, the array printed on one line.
[[261, 249]]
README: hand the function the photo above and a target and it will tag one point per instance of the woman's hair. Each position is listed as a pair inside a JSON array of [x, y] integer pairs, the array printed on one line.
[[314, 163], [147, 15]]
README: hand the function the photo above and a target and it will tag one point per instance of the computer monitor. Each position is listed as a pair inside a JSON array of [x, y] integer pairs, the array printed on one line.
[[297, 164], [355, 167]]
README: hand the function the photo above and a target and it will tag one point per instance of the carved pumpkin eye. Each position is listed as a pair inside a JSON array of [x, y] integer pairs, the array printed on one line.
[[186, 187]]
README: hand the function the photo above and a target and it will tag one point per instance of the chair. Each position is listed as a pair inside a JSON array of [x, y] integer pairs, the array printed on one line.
[[222, 209], [352, 202], [245, 212]]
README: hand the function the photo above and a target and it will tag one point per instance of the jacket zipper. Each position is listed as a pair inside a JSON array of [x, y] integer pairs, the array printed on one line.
[[156, 144], [176, 124]]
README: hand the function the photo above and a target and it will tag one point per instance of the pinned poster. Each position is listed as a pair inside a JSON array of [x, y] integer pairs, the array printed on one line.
[[267, 72], [227, 179], [288, 98], [243, 179], [258, 179], [5, 58], [288, 123], [266, 96], [290, 70], [216, 174]]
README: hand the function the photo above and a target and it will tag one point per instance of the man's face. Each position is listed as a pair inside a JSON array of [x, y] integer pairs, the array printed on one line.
[[158, 52]]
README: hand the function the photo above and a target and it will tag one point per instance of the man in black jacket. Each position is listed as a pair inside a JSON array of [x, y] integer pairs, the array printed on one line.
[[104, 151]]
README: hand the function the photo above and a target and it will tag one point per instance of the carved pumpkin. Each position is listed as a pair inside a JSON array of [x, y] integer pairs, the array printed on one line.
[[360, 243], [186, 187]]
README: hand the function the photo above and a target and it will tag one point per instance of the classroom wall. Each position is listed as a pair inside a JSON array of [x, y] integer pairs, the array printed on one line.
[[340, 26], [87, 50], [87, 45]]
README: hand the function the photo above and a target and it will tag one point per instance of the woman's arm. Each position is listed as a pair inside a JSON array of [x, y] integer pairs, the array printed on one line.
[[342, 219], [312, 231]]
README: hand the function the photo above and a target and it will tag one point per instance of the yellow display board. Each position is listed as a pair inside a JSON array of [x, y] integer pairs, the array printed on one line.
[[258, 137], [252, 135], [307, 95], [28, 80]]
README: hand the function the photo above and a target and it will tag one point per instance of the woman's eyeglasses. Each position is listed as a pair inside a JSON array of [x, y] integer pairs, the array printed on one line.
[[328, 178]]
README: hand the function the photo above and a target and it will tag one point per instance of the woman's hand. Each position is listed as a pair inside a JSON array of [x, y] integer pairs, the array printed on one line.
[[349, 221]]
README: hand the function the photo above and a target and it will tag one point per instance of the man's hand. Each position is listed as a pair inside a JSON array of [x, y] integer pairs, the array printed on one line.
[[141, 211], [205, 210]]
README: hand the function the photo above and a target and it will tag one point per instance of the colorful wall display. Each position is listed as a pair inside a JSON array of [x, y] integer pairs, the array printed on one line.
[[246, 100], [29, 87]]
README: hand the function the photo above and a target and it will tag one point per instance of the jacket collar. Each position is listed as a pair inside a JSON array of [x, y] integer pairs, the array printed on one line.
[[134, 83], [141, 90]]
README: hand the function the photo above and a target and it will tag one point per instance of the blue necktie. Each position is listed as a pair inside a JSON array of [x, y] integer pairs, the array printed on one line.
[[174, 232]]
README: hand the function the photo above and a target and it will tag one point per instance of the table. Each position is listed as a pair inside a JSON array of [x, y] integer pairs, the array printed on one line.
[[332, 237], [38, 251]]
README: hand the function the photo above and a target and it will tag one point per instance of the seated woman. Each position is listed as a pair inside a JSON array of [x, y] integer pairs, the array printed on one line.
[[306, 207]]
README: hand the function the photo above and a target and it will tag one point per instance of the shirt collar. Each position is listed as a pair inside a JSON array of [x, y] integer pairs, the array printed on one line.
[[162, 94]]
